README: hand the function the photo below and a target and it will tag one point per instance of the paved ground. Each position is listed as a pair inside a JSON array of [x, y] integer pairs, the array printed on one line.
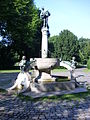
[[7, 79], [13, 108], [80, 75]]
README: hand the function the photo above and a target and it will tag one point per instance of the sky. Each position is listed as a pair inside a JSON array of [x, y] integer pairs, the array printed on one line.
[[73, 15]]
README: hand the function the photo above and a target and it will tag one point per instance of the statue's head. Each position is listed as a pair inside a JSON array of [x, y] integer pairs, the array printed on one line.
[[42, 8], [73, 58], [23, 57]]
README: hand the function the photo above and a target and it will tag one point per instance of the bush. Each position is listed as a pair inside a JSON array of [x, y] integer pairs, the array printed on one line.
[[88, 64]]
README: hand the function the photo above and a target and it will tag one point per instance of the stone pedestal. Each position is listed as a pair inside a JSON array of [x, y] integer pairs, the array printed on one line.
[[44, 46], [55, 86], [45, 78], [72, 75]]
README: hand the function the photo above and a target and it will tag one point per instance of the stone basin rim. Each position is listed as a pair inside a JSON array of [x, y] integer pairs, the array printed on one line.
[[45, 63]]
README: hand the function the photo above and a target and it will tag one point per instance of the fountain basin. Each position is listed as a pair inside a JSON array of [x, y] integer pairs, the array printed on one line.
[[43, 67], [46, 63]]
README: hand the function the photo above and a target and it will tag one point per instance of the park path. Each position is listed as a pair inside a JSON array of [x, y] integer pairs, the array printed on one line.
[[7, 79], [80, 75]]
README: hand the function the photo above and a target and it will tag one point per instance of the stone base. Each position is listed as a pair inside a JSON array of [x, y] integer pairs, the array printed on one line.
[[57, 86], [45, 78], [58, 93], [54, 86], [43, 81]]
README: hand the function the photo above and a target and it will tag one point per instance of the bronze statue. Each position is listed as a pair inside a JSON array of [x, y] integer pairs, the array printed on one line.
[[44, 16]]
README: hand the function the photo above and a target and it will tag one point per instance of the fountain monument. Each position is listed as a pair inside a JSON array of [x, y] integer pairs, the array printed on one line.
[[45, 64], [41, 79]]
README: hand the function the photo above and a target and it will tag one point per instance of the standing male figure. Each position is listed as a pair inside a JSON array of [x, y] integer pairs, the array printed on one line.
[[44, 16]]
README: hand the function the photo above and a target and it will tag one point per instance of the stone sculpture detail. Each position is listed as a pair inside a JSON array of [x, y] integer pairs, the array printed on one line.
[[23, 79]]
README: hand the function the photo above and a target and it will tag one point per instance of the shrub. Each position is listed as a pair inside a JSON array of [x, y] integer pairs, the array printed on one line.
[[88, 64]]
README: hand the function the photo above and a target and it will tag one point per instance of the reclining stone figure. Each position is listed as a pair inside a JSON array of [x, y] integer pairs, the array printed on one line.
[[22, 82]]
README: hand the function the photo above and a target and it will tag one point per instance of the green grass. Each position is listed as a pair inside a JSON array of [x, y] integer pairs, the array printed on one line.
[[59, 70], [62, 80], [76, 96], [9, 71], [2, 91], [26, 98], [15, 71], [86, 70]]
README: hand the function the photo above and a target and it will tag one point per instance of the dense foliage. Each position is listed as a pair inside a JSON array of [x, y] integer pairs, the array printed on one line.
[[64, 46], [88, 64], [20, 26], [84, 51]]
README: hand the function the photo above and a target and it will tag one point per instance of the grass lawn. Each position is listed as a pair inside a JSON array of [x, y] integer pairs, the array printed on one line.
[[2, 91], [86, 70], [59, 70], [9, 71], [14, 71]]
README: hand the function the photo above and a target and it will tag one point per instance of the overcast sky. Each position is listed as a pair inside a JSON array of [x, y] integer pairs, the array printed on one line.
[[73, 15]]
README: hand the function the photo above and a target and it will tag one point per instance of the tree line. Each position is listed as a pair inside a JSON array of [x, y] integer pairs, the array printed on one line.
[[66, 45], [20, 28]]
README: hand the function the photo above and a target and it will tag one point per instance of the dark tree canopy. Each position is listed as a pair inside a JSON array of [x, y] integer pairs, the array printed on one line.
[[20, 21], [21, 25]]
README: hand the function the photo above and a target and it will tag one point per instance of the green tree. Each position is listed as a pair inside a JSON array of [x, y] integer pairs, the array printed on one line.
[[66, 46], [21, 22], [88, 64], [84, 50], [52, 44], [21, 25], [6, 57]]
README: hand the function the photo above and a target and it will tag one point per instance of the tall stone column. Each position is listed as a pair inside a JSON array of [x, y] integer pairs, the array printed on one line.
[[44, 46]]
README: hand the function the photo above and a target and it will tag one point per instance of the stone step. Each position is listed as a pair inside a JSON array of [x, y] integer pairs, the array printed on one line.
[[44, 94], [54, 86]]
